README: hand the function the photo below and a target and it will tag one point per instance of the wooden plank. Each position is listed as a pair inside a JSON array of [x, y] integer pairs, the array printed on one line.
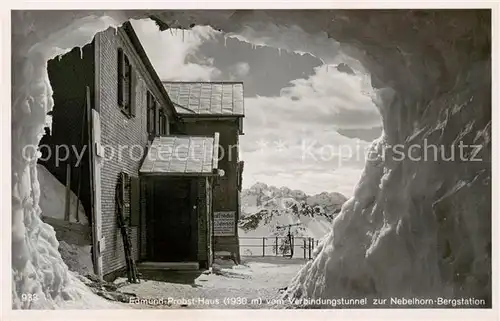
[[68, 192], [94, 212], [215, 157]]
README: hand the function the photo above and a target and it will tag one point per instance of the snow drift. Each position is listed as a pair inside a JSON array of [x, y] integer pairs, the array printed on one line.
[[53, 198], [419, 228]]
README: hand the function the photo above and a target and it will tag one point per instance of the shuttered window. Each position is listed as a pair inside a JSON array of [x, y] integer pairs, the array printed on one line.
[[158, 120], [124, 196], [129, 197], [151, 105], [163, 123], [126, 84]]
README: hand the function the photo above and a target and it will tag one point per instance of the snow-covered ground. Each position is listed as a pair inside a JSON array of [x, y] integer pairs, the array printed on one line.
[[53, 198], [256, 283], [87, 299]]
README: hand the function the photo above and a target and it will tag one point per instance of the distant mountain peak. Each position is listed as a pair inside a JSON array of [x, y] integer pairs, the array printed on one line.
[[264, 207]]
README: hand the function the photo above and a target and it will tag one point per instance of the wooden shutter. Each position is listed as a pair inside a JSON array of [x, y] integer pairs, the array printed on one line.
[[133, 91], [148, 107], [135, 201], [120, 76], [157, 118], [127, 86], [154, 113], [162, 122]]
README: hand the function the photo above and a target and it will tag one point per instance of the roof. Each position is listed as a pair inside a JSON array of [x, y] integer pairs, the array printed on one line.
[[206, 98], [127, 27], [182, 155]]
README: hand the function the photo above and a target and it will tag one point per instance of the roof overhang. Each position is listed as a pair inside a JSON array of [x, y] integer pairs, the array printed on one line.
[[182, 155], [190, 118]]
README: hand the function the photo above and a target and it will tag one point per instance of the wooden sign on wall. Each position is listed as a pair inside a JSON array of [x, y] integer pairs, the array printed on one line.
[[224, 223]]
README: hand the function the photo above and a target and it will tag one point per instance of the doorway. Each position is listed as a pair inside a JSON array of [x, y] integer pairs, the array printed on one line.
[[173, 225]]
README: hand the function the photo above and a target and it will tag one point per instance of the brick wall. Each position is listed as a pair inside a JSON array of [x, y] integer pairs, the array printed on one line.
[[119, 130]]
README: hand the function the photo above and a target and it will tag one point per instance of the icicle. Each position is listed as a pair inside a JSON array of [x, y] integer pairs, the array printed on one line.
[[59, 57], [225, 41], [279, 52], [81, 53], [116, 30]]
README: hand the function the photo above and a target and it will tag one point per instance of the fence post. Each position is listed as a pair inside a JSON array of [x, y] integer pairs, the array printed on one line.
[[263, 246], [277, 247], [309, 245], [304, 241]]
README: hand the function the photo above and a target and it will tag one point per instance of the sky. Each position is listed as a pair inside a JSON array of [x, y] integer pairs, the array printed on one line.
[[307, 125]]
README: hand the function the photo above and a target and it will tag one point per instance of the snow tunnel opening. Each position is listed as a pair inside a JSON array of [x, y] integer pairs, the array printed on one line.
[[414, 88], [333, 94]]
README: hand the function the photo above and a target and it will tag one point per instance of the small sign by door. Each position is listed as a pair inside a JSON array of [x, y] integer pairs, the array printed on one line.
[[224, 223]]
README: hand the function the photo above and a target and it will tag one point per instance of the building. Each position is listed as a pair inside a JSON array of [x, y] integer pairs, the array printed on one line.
[[130, 145], [206, 108]]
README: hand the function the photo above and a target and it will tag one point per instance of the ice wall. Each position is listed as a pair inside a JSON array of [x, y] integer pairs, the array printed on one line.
[[40, 279], [418, 226], [412, 227]]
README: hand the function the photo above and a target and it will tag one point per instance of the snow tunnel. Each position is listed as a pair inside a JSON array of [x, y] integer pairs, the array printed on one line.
[[412, 228]]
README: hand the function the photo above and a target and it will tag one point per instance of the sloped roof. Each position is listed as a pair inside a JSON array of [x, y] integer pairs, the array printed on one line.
[[206, 98], [129, 30], [181, 155]]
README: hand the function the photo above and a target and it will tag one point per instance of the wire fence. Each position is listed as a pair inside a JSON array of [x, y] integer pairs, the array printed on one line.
[[293, 247]]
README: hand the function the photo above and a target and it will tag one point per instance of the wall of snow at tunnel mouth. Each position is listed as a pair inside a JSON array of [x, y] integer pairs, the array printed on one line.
[[23, 122]]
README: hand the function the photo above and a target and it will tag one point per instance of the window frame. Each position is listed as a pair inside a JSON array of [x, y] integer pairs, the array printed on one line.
[[161, 122], [126, 85], [151, 113]]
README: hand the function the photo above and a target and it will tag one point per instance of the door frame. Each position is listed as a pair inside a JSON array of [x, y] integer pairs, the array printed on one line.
[[151, 218]]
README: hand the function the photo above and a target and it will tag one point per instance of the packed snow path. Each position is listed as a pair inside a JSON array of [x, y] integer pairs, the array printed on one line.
[[239, 287]]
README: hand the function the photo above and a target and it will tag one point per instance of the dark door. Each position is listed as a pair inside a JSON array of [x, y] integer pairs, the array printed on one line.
[[174, 228]]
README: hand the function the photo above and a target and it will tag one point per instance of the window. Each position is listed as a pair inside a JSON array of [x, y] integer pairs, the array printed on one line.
[[158, 119], [151, 105], [129, 197], [163, 123], [126, 84]]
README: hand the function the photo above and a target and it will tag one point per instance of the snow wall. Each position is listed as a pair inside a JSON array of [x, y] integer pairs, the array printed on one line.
[[419, 228]]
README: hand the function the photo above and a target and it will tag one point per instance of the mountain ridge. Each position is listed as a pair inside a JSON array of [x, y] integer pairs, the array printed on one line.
[[266, 207]]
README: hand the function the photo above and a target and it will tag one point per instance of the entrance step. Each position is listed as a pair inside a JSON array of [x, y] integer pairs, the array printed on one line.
[[225, 255], [174, 266]]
